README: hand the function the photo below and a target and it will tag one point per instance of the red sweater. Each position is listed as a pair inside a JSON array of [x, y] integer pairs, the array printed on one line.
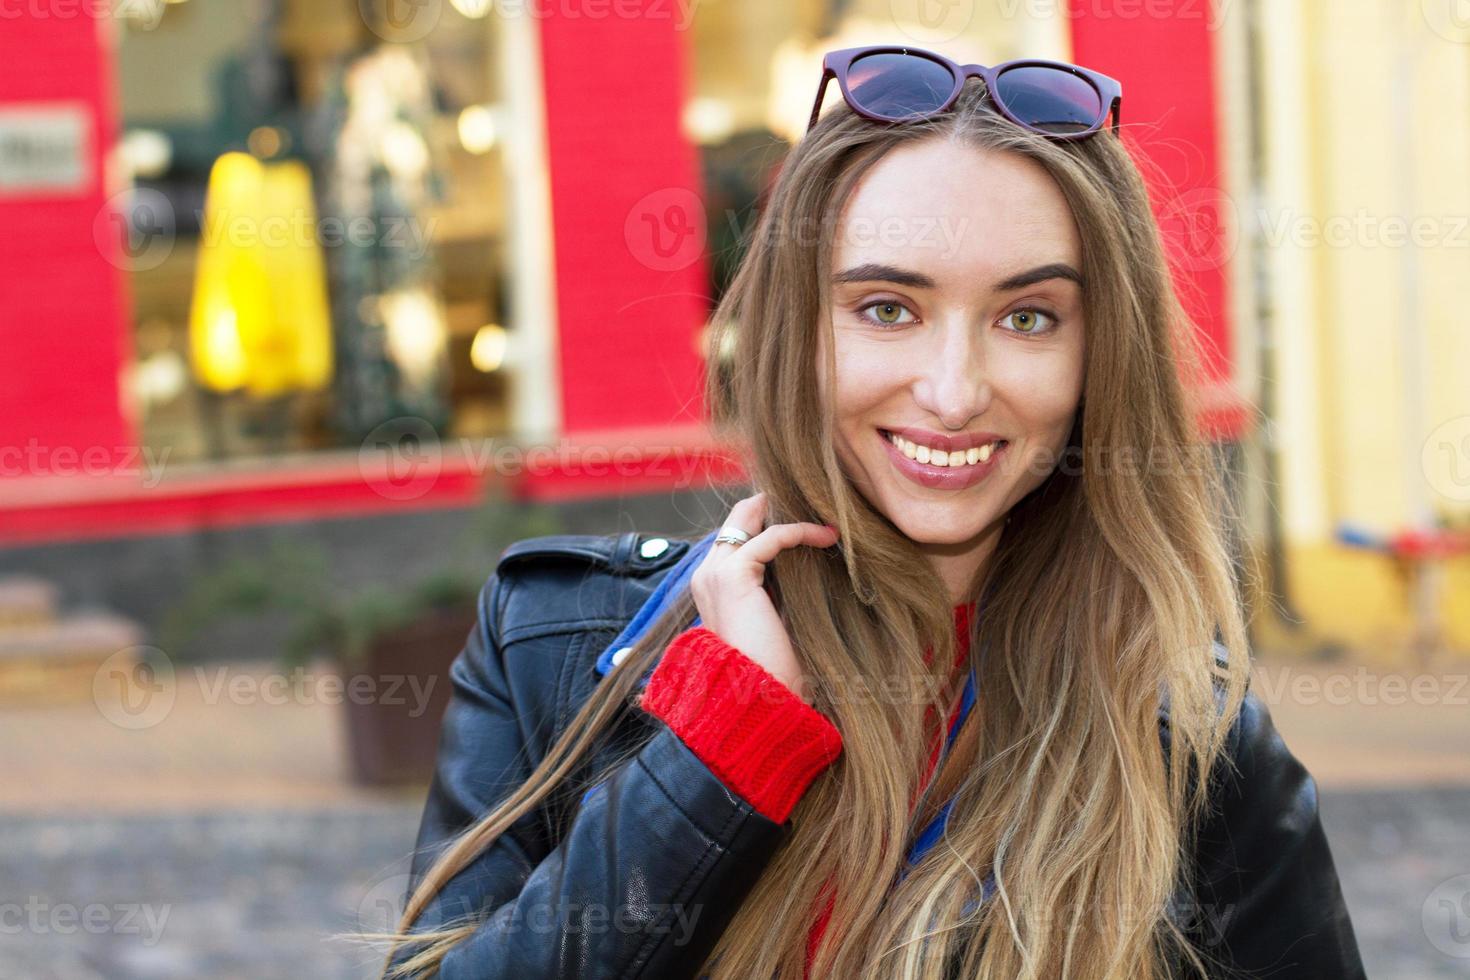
[[753, 732]]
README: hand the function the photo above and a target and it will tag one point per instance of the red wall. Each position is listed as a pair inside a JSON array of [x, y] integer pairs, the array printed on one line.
[[62, 305], [629, 225], [1167, 63]]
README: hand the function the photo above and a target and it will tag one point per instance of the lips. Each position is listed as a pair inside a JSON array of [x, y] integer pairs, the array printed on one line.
[[956, 477]]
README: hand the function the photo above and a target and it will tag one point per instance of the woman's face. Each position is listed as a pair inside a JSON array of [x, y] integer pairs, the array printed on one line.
[[958, 337]]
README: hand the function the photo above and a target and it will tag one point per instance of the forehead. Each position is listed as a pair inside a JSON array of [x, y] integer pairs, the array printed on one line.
[[962, 214]]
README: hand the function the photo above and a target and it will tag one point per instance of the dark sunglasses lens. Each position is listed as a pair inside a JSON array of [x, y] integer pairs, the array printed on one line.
[[1050, 99], [898, 86]]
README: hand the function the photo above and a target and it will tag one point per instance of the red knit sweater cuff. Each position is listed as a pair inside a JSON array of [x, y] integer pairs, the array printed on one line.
[[751, 730]]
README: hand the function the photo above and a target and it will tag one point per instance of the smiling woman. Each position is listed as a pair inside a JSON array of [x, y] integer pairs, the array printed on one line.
[[934, 432], [928, 342]]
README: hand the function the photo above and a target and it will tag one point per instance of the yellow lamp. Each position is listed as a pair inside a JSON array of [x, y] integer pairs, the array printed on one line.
[[259, 319]]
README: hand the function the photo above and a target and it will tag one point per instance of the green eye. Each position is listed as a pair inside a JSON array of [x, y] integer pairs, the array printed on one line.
[[888, 313], [1029, 321]]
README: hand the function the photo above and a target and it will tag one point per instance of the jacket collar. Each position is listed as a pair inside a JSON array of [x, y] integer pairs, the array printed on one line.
[[663, 596]]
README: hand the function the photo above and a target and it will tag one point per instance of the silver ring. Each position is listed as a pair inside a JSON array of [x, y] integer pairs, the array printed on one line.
[[731, 535]]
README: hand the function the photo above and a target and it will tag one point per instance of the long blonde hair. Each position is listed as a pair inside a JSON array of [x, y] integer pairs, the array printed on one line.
[[1107, 591]]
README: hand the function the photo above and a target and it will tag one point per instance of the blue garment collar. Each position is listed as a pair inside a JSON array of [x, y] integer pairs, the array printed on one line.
[[663, 596]]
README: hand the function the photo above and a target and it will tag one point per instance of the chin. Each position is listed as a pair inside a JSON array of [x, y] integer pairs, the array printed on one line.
[[944, 525]]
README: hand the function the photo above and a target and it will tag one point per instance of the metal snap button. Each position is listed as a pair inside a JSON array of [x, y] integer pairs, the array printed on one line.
[[653, 547]]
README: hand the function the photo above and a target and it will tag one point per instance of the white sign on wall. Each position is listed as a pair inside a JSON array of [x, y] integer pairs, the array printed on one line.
[[44, 148]]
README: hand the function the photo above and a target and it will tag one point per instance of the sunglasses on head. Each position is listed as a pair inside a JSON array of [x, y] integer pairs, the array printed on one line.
[[897, 84]]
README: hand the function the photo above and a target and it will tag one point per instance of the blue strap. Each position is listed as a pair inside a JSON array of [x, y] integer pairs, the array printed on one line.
[[931, 834], [663, 595]]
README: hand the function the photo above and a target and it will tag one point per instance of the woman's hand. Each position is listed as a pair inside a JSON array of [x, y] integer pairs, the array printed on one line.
[[729, 591]]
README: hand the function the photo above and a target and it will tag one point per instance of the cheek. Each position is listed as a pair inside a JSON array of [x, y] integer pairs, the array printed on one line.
[[1043, 392], [864, 378]]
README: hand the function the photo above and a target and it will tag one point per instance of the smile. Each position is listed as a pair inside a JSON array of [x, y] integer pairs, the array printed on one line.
[[943, 467]]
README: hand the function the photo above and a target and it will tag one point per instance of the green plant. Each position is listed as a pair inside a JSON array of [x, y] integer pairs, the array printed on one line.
[[292, 578]]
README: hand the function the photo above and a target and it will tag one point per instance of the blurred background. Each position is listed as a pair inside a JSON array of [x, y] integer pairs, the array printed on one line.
[[308, 308]]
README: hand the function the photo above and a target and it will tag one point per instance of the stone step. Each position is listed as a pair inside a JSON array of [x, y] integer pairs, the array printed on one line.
[[57, 662], [26, 601]]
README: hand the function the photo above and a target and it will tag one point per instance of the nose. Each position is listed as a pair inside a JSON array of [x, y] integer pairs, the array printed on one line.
[[952, 384]]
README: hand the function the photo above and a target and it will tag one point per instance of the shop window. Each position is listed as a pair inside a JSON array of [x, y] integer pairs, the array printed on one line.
[[333, 201]]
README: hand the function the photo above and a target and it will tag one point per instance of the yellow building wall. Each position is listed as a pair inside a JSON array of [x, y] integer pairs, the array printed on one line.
[[1366, 121]]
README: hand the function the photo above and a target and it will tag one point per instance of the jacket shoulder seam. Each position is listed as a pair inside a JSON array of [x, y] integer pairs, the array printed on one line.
[[621, 554]]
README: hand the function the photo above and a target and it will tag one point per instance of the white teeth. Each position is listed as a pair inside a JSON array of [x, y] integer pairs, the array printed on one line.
[[938, 457]]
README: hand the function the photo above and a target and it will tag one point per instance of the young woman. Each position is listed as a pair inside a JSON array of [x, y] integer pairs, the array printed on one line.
[[936, 700]]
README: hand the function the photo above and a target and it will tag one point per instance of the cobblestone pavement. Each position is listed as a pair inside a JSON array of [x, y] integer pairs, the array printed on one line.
[[259, 895]]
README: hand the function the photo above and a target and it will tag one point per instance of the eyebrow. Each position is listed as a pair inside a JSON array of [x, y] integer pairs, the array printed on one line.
[[879, 272]]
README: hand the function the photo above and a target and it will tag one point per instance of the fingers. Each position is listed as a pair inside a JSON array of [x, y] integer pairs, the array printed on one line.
[[749, 515], [764, 547]]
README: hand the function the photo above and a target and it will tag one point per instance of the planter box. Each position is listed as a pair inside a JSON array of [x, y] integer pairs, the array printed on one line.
[[393, 735]]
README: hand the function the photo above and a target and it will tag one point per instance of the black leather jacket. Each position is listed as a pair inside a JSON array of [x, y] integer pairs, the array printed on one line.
[[644, 877]]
